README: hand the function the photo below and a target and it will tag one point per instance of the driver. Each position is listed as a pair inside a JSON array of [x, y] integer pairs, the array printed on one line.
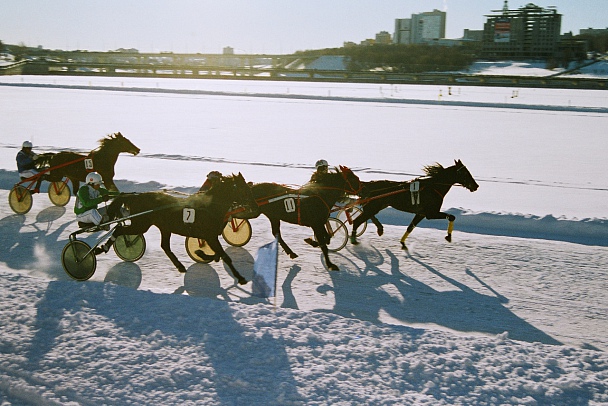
[[321, 169], [213, 178], [88, 198], [26, 164]]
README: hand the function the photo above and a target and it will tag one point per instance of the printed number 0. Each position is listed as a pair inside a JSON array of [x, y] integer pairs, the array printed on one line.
[[290, 205]]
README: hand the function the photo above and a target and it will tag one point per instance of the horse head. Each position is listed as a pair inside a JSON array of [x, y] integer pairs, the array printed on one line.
[[464, 177], [352, 182], [236, 190], [120, 143]]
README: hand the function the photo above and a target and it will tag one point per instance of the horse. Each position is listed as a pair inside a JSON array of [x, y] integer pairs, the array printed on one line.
[[422, 196], [75, 166], [201, 215], [308, 206]]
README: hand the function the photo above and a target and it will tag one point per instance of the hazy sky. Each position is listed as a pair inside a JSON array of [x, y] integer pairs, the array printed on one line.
[[249, 26]]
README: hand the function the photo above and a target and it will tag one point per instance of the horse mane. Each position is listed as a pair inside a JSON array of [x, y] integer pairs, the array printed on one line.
[[110, 137], [433, 170]]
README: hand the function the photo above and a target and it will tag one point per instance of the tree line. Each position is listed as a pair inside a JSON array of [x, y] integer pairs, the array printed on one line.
[[402, 58]]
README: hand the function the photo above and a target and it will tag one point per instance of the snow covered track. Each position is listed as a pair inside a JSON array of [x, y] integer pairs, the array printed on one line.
[[491, 318], [484, 320]]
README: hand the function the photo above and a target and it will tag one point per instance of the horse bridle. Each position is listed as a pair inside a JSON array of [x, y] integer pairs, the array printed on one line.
[[343, 170]]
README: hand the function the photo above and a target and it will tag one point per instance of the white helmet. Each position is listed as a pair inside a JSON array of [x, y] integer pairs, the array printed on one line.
[[26, 144], [214, 175], [94, 178], [321, 162]]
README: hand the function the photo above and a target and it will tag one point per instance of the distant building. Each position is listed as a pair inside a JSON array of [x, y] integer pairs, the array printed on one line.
[[423, 28], [593, 31], [427, 27], [403, 28], [228, 51], [530, 32], [383, 37], [472, 35]]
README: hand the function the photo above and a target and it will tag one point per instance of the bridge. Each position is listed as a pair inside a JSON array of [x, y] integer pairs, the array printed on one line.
[[263, 67]]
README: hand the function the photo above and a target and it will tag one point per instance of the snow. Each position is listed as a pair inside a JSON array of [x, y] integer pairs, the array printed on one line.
[[513, 311]]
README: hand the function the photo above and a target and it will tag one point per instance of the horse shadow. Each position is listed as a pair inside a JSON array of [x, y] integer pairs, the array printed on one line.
[[228, 347], [34, 245], [411, 301]]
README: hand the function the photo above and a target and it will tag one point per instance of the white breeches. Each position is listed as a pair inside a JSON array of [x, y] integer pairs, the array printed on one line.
[[28, 174], [94, 216]]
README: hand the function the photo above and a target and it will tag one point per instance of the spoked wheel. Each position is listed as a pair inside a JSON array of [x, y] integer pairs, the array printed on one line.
[[59, 193], [20, 199], [193, 244], [349, 215], [76, 262], [130, 248], [337, 233], [237, 232]]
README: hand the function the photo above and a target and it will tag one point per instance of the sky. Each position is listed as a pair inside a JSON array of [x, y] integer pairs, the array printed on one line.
[[261, 26]]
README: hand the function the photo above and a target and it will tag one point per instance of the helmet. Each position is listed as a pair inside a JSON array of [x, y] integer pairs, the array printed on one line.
[[94, 178], [27, 144], [321, 162], [214, 175]]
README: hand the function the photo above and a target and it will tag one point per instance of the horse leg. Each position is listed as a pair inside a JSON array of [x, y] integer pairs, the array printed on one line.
[[215, 245], [276, 231], [417, 219], [165, 244], [441, 215], [322, 237], [365, 215], [378, 225]]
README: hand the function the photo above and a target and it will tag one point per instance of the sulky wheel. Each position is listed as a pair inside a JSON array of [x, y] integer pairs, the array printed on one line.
[[130, 248], [237, 232], [193, 244], [349, 215], [78, 260], [59, 193], [338, 234], [20, 199]]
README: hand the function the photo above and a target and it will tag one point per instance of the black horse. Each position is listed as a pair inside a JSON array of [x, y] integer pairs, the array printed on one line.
[[308, 206], [76, 166], [422, 196], [202, 215]]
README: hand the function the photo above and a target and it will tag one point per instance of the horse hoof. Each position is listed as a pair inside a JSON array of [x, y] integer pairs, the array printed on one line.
[[242, 281], [181, 269], [403, 246], [293, 255], [311, 242], [380, 232], [448, 238], [333, 267]]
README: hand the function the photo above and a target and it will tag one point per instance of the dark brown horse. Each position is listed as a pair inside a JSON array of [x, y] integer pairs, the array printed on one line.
[[422, 196], [308, 206], [76, 166], [202, 215]]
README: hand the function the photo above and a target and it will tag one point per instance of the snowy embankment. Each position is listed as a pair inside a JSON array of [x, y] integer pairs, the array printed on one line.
[[382, 96]]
